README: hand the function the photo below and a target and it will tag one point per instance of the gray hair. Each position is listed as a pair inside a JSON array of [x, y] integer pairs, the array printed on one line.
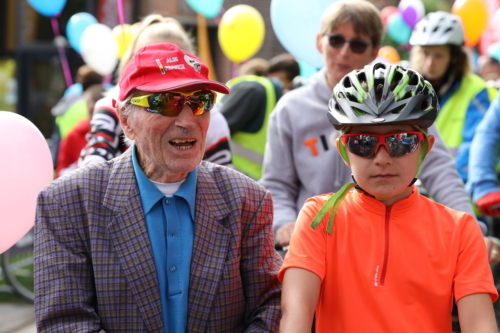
[[128, 109]]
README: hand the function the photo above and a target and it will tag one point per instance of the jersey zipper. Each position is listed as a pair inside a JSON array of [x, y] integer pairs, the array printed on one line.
[[386, 245]]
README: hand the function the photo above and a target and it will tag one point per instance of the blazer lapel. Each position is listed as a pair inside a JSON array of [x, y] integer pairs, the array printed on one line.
[[129, 236], [210, 248]]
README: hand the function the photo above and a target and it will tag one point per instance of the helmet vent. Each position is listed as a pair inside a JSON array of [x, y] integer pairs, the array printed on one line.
[[413, 80], [352, 98], [426, 102], [398, 109], [359, 112], [407, 95], [347, 82]]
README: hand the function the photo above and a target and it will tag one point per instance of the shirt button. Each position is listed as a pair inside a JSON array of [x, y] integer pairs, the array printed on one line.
[[173, 268], [167, 201]]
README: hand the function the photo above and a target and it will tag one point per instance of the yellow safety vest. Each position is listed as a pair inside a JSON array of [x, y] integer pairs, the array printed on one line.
[[248, 148], [68, 120], [451, 117]]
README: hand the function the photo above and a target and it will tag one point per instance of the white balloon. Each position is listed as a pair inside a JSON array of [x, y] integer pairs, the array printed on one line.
[[99, 48]]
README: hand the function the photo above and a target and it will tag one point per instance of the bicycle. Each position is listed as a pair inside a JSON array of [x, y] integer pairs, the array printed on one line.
[[17, 267]]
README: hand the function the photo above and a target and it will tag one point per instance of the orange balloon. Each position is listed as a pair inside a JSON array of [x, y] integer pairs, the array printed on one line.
[[474, 15], [389, 53]]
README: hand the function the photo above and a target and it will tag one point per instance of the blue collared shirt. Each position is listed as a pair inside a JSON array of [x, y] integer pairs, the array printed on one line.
[[170, 223]]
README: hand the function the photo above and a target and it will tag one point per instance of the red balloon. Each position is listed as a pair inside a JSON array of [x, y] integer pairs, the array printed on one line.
[[386, 12]]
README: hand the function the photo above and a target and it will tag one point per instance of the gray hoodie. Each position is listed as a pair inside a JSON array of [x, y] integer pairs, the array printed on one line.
[[301, 160]]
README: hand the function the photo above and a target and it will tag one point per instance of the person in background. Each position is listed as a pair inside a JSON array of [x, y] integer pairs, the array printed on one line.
[[489, 70], [255, 66], [300, 159], [76, 139], [157, 240], [71, 108], [105, 142], [483, 163], [284, 67], [383, 258], [440, 54]]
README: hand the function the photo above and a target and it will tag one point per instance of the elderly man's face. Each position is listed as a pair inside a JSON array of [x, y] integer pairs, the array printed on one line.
[[168, 147]]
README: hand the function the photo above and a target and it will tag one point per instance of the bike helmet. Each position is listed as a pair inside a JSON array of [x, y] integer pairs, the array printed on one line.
[[438, 28], [383, 94]]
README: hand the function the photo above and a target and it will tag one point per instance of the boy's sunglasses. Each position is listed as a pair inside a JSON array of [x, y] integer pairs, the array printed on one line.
[[396, 144], [171, 103], [357, 45]]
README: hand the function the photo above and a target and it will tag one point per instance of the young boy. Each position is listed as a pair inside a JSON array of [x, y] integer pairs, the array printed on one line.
[[383, 258]]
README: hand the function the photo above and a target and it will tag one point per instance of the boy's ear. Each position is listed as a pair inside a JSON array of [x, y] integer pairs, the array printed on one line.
[[339, 149], [431, 139]]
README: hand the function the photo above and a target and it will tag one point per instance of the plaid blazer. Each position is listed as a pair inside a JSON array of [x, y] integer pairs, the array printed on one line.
[[94, 267]]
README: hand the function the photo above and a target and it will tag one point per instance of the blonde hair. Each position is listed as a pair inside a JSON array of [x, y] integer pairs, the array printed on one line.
[[255, 66], [365, 18], [153, 27], [460, 59]]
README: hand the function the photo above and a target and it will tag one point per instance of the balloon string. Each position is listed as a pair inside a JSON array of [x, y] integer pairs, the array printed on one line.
[[121, 17], [235, 69], [62, 54], [120, 12]]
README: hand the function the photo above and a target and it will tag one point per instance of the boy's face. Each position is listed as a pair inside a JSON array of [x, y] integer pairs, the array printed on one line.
[[382, 175]]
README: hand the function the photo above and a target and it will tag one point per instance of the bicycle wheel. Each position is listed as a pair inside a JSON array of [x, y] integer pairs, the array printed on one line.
[[17, 266]]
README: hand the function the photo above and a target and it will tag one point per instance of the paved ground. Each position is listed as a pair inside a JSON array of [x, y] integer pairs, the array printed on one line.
[[17, 318]]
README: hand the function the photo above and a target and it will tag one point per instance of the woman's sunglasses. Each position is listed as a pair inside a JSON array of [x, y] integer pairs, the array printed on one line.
[[171, 103], [357, 45], [396, 144]]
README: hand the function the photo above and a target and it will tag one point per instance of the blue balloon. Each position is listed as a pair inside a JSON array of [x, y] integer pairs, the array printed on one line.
[[398, 29], [208, 8], [48, 8], [494, 51], [76, 26], [306, 70], [296, 26]]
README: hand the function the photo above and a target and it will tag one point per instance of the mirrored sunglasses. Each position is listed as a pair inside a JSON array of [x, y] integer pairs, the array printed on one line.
[[396, 144], [171, 103], [357, 45]]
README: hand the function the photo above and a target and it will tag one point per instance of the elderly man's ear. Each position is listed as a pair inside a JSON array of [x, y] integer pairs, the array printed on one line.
[[124, 120]]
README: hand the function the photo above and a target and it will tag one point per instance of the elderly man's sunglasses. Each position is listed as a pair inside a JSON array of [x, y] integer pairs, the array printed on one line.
[[171, 103], [357, 45], [396, 144]]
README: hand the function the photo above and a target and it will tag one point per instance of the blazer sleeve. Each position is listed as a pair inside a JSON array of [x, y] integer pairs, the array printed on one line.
[[65, 297], [260, 264]]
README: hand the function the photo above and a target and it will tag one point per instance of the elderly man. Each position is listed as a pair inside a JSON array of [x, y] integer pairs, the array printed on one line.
[[156, 240]]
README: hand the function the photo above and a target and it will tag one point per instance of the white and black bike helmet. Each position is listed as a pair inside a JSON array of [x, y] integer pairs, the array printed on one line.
[[383, 94], [438, 28]]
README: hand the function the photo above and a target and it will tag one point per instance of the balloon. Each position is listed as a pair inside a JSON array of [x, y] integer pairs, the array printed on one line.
[[386, 12], [474, 15], [397, 29], [296, 28], [494, 51], [389, 53], [241, 32], [25, 170], [48, 8], [306, 70], [99, 48], [124, 37], [412, 11], [207, 8], [76, 26]]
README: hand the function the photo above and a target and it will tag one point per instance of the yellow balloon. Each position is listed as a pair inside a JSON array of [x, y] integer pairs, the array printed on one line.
[[124, 37], [241, 32], [474, 15]]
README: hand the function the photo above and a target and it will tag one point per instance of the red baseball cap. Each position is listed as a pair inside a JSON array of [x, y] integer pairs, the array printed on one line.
[[164, 67]]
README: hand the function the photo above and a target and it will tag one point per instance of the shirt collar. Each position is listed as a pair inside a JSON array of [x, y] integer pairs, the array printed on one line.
[[150, 194]]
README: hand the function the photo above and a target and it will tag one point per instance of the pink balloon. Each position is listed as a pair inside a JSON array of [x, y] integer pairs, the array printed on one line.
[[26, 168]]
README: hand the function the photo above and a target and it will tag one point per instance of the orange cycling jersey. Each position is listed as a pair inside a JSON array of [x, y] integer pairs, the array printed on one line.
[[390, 268]]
